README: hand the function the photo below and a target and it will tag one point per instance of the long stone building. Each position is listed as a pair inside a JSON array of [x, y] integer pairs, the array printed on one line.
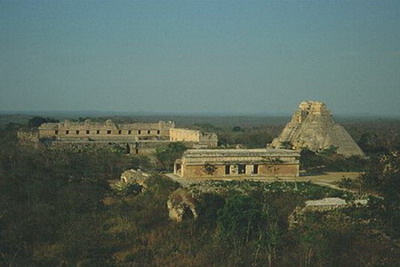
[[237, 163], [313, 127], [138, 138], [97, 131]]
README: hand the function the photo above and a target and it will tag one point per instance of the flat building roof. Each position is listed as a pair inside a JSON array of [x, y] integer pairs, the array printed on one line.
[[194, 153]]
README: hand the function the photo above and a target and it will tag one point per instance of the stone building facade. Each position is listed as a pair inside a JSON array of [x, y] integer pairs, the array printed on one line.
[[237, 163], [138, 138], [96, 131], [200, 138]]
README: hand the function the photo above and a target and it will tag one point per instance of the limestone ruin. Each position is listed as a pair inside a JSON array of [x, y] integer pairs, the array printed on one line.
[[238, 163], [181, 205], [137, 138], [313, 127], [135, 176], [328, 204]]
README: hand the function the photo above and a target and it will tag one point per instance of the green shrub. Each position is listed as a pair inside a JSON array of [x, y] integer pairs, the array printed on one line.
[[346, 183]]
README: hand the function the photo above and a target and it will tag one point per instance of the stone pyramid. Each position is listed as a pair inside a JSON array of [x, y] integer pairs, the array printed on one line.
[[313, 127]]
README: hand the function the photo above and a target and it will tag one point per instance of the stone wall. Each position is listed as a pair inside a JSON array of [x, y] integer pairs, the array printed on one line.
[[179, 134], [30, 138], [203, 139]]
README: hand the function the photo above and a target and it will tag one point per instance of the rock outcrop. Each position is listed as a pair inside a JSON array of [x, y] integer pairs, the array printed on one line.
[[28, 137], [181, 205], [313, 127], [134, 176], [328, 204]]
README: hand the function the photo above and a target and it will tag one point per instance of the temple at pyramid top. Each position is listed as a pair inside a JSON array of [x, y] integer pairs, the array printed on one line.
[[313, 127]]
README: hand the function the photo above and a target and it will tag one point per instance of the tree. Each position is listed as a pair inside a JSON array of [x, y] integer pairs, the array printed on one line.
[[37, 121], [237, 129], [372, 143], [239, 219], [209, 169], [286, 145], [309, 160], [167, 155], [208, 206], [329, 151], [384, 176]]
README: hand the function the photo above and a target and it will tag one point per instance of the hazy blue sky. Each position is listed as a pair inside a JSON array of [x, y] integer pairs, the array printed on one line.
[[200, 56]]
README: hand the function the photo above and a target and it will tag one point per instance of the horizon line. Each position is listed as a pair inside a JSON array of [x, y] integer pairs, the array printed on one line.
[[169, 113]]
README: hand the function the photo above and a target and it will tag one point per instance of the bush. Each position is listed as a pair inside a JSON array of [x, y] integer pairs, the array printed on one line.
[[127, 189], [328, 160], [346, 183], [238, 220], [37, 121], [167, 155]]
